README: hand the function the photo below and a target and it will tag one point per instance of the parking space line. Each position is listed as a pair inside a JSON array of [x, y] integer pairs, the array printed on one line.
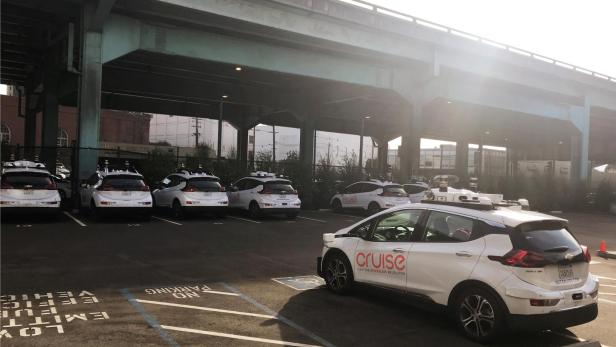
[[238, 337], [202, 308], [149, 319], [166, 220], [608, 301], [313, 219], [603, 293], [287, 321], [605, 278], [607, 285], [75, 219], [244, 219]]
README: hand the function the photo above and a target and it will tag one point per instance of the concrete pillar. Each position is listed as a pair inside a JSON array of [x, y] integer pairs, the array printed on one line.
[[50, 112], [383, 151], [409, 156], [462, 160], [306, 156], [30, 122], [89, 97], [580, 143], [242, 148]]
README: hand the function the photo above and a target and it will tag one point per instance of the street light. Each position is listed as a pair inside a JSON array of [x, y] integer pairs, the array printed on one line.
[[238, 68]]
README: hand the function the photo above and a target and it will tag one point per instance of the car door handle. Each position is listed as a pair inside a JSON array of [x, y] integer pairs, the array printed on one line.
[[463, 254], [399, 250]]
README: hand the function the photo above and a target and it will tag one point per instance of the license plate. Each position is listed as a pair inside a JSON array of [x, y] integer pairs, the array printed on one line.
[[28, 192], [284, 204], [565, 272]]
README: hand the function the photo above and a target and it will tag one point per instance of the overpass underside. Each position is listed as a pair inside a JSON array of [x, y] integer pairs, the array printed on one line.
[[187, 62]]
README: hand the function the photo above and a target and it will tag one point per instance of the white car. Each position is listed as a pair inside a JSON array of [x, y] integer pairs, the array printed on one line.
[[371, 196], [191, 191], [116, 189], [28, 187], [416, 191], [494, 268], [264, 193]]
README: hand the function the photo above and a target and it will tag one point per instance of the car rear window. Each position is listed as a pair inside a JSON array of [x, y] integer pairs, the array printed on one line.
[[205, 184], [395, 190], [26, 180], [123, 182], [546, 237], [413, 189], [279, 187]]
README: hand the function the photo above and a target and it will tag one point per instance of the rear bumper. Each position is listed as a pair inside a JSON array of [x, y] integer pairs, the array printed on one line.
[[276, 210], [22, 211], [124, 210], [205, 209], [554, 320]]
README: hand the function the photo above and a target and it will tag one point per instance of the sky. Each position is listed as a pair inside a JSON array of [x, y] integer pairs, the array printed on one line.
[[581, 33]]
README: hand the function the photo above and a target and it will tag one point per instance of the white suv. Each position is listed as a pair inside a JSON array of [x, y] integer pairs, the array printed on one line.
[[115, 189], [264, 193], [494, 268], [28, 187], [371, 196], [191, 191]]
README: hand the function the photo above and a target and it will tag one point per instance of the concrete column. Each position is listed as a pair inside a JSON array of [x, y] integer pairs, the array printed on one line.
[[242, 148], [409, 158], [89, 102], [30, 122], [306, 156], [383, 151], [462, 160], [580, 143], [50, 127]]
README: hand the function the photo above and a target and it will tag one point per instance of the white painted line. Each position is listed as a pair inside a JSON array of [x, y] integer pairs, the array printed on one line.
[[602, 293], [608, 301], [244, 219], [593, 262], [607, 285], [75, 219], [238, 337], [313, 219], [216, 292], [166, 220], [210, 309], [605, 278]]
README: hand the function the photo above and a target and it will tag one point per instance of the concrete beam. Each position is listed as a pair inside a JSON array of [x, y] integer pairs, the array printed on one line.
[[101, 10]]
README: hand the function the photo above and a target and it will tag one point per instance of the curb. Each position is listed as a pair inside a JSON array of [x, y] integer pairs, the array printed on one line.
[[607, 255], [588, 343]]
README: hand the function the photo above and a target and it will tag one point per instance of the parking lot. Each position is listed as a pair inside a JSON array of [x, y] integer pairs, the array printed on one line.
[[232, 281]]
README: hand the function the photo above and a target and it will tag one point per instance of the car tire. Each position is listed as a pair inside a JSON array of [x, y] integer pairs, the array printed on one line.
[[255, 210], [336, 205], [177, 211], [373, 208], [292, 215], [479, 314], [338, 273]]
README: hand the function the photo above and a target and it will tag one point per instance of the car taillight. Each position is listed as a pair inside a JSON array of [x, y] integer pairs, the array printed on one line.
[[521, 258], [189, 188], [586, 252], [51, 186], [222, 189], [106, 187], [144, 189], [294, 192]]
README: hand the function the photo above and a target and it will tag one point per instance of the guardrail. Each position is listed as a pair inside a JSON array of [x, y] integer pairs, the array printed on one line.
[[426, 23]]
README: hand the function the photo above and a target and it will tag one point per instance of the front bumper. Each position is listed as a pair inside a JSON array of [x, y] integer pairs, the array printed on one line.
[[554, 320]]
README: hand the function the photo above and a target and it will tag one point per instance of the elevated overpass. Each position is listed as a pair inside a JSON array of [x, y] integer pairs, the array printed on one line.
[[310, 64]]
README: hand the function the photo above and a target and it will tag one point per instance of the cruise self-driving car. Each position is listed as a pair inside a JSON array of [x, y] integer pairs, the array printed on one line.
[[264, 193], [371, 196], [191, 191], [116, 189], [493, 266], [28, 187], [416, 191]]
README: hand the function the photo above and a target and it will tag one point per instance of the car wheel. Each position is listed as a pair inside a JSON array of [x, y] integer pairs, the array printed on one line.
[[255, 210], [177, 211], [373, 208], [337, 205], [292, 215], [479, 314], [338, 273]]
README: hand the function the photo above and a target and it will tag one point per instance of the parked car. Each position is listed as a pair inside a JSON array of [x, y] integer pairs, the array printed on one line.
[[264, 193], [492, 267], [114, 190], [371, 196], [28, 187], [188, 191]]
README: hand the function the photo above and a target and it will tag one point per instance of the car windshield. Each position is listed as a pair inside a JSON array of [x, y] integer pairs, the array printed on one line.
[[394, 190], [26, 180], [205, 184], [123, 182], [279, 187]]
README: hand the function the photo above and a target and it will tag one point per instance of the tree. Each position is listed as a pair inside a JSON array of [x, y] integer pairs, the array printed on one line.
[[158, 165], [263, 161]]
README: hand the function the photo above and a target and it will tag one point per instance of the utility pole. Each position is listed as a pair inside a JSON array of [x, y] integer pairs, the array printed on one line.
[[219, 148], [196, 133], [274, 145], [254, 142]]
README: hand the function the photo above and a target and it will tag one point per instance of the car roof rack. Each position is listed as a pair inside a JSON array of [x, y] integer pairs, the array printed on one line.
[[108, 168], [262, 174]]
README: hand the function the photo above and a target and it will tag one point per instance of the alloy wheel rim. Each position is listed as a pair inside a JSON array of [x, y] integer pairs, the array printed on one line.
[[336, 274], [477, 315]]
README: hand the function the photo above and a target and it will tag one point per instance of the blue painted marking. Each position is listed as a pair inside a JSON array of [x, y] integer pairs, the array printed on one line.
[[148, 318], [279, 317], [301, 282]]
